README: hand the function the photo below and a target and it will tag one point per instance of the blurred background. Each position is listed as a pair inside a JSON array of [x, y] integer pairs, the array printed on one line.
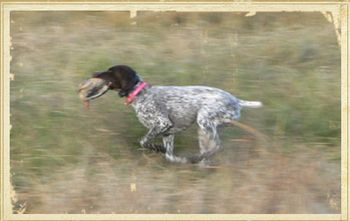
[[65, 159]]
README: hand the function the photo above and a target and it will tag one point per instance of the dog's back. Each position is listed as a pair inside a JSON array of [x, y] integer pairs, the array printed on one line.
[[182, 104]]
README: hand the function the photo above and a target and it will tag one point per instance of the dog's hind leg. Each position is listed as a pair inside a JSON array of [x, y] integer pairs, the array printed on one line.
[[208, 137]]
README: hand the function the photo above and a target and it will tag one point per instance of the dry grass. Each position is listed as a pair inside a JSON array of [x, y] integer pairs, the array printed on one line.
[[67, 160], [268, 182], [17, 207]]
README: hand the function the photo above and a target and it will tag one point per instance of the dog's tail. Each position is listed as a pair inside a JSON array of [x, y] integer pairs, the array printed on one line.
[[250, 104]]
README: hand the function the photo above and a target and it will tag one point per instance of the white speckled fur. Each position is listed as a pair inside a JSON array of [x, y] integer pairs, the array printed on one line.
[[165, 110]]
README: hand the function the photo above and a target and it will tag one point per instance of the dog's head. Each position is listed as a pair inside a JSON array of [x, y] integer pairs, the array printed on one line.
[[120, 78]]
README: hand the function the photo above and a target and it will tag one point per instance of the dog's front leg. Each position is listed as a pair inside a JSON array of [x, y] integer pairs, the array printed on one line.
[[146, 141]]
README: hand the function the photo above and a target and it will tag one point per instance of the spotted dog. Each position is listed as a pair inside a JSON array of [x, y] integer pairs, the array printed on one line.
[[166, 110]]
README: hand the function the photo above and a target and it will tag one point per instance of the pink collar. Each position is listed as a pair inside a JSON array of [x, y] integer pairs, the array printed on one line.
[[132, 96]]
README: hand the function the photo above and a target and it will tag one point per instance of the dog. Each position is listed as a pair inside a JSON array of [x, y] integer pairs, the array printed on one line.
[[166, 110]]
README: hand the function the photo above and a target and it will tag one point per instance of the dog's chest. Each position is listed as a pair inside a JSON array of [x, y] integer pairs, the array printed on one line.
[[146, 112]]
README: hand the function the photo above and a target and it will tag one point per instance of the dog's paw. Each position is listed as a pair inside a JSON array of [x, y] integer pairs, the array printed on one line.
[[155, 148], [159, 148], [195, 159]]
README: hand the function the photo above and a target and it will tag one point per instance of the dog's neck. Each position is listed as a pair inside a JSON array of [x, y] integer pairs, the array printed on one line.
[[137, 89]]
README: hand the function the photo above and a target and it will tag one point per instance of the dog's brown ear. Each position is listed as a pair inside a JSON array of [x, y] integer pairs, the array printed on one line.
[[127, 84], [126, 79]]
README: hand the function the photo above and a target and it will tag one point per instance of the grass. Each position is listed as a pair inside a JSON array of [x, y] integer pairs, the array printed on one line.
[[289, 61]]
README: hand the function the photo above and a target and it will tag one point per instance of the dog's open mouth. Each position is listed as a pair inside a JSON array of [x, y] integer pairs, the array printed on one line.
[[92, 89]]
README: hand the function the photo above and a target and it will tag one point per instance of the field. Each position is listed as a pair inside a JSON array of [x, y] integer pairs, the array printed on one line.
[[65, 159]]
